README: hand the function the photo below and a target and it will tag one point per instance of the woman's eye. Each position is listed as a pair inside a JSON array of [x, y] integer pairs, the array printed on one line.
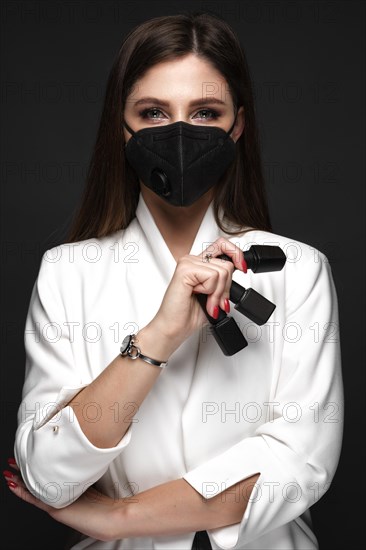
[[208, 114], [146, 112]]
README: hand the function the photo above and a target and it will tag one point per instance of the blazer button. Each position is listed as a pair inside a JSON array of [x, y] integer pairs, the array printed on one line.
[[55, 430]]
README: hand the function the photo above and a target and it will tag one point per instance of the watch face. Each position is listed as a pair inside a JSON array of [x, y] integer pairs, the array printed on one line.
[[125, 343]]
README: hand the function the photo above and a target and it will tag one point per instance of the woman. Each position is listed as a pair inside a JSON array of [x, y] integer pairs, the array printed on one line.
[[239, 446]]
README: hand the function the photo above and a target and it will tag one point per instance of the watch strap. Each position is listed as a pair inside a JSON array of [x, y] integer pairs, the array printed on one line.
[[133, 352], [161, 364]]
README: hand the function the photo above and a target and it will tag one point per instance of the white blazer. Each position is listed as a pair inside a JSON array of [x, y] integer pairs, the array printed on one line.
[[275, 407]]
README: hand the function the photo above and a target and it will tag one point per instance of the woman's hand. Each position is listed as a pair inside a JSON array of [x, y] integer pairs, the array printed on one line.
[[93, 514], [180, 313]]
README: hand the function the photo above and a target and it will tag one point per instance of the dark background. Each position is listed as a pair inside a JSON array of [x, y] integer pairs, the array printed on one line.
[[307, 64]]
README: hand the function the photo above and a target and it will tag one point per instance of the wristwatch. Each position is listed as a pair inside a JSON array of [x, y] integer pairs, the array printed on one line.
[[128, 348]]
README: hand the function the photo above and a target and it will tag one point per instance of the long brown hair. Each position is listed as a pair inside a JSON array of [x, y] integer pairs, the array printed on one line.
[[111, 193]]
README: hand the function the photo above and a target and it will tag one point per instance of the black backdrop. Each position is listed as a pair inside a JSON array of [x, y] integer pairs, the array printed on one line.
[[307, 64]]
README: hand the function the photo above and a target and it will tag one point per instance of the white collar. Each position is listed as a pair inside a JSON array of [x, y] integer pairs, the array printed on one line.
[[207, 233]]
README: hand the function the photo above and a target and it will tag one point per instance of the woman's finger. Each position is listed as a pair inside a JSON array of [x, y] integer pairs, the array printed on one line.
[[221, 292], [211, 278], [18, 488], [224, 246], [8, 475], [12, 463]]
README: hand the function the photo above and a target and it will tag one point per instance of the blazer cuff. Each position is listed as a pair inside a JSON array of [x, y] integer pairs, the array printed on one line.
[[51, 411], [73, 462], [281, 492], [221, 472]]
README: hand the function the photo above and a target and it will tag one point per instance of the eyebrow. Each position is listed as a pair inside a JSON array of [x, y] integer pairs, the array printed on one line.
[[193, 103]]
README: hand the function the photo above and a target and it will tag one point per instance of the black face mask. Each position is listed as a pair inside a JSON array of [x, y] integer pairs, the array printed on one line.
[[180, 161]]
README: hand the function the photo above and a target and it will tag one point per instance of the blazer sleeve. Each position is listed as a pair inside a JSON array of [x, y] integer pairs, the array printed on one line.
[[296, 450], [57, 461]]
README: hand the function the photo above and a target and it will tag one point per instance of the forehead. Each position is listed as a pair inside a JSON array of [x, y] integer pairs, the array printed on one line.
[[181, 79]]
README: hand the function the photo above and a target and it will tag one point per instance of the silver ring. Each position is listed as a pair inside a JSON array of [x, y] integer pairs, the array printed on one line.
[[207, 257]]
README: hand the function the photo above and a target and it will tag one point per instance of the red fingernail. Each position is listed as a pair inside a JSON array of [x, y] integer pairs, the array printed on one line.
[[8, 474], [215, 312], [11, 461], [12, 484], [227, 305], [244, 266]]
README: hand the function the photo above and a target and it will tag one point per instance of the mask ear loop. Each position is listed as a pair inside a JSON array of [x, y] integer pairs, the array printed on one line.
[[124, 123], [128, 127]]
